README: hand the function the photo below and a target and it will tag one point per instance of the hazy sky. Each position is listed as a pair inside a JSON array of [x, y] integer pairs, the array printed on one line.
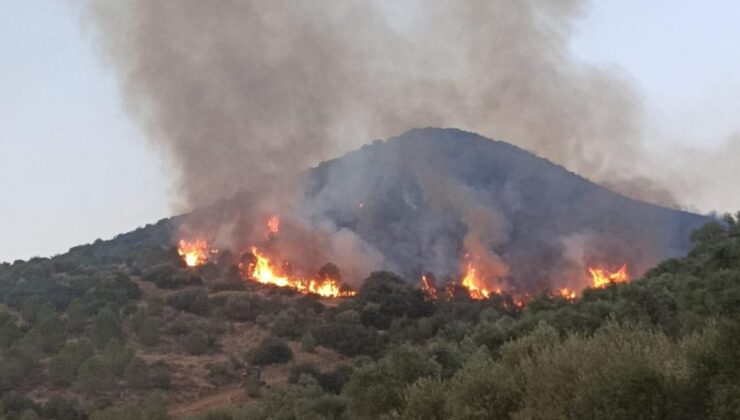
[[73, 168]]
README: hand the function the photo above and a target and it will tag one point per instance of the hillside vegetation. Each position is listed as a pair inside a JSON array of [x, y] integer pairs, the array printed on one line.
[[117, 331]]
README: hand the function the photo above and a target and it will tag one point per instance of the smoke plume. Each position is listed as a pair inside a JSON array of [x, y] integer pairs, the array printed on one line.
[[243, 94]]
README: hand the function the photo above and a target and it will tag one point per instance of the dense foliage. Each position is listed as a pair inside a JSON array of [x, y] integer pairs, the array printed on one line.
[[84, 335]]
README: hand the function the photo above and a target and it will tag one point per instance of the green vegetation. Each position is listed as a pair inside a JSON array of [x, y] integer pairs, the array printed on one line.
[[109, 330]]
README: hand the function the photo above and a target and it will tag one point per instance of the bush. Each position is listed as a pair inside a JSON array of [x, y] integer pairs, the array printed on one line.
[[308, 343], [349, 339], [105, 327], [197, 342], [247, 308], [64, 366], [194, 301], [271, 351], [16, 366], [153, 408], [220, 373], [139, 375], [426, 401], [93, 376], [58, 408], [48, 334], [149, 331]]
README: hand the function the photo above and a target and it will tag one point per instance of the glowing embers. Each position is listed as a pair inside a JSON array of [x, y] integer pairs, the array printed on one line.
[[566, 293], [601, 277], [194, 253], [265, 271], [273, 226], [428, 289]]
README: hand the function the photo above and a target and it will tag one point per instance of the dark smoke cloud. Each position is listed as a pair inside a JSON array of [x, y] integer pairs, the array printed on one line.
[[243, 94]]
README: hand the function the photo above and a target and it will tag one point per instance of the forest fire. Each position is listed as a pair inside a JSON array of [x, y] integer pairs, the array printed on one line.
[[264, 271], [474, 284], [194, 253], [566, 293], [601, 277], [428, 289], [273, 226]]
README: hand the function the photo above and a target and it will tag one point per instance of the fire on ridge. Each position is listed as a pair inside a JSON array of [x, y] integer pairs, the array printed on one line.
[[265, 270], [193, 253], [475, 286]]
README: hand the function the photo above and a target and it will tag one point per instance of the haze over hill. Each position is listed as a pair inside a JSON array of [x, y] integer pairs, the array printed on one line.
[[423, 201], [426, 197]]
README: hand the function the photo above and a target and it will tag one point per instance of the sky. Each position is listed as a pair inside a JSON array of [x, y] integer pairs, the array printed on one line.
[[74, 168]]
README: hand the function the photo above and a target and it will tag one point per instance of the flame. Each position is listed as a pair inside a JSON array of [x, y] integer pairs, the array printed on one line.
[[601, 277], [194, 253], [428, 289], [264, 271], [566, 293], [474, 284], [273, 226]]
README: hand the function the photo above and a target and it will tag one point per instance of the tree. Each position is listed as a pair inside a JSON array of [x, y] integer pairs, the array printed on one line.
[[48, 333], [194, 301], [64, 366], [377, 389], [93, 376], [481, 390], [149, 331], [426, 400], [308, 343], [105, 327], [115, 356], [271, 351], [197, 342], [394, 297]]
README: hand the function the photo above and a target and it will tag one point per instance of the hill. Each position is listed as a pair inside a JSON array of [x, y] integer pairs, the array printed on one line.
[[424, 191], [425, 199], [124, 329]]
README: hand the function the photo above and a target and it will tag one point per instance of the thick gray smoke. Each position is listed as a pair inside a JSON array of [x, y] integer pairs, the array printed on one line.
[[244, 95], [240, 94]]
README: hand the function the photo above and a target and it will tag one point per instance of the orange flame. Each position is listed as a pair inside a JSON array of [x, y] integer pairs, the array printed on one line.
[[273, 225], [566, 293], [601, 277], [263, 271], [475, 286], [194, 253], [428, 289]]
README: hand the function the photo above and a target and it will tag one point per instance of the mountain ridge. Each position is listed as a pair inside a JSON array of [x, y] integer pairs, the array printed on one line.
[[549, 221]]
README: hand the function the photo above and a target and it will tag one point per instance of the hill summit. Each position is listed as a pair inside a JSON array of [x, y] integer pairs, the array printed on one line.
[[421, 197]]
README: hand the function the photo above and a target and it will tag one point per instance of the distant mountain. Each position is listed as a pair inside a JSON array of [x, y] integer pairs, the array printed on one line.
[[423, 198]]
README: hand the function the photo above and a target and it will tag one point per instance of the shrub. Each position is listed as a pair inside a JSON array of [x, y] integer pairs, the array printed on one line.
[[247, 308], [271, 351], [194, 301], [308, 343], [93, 376], [220, 373], [63, 367], [105, 327], [349, 339], [139, 375], [197, 342], [148, 333]]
